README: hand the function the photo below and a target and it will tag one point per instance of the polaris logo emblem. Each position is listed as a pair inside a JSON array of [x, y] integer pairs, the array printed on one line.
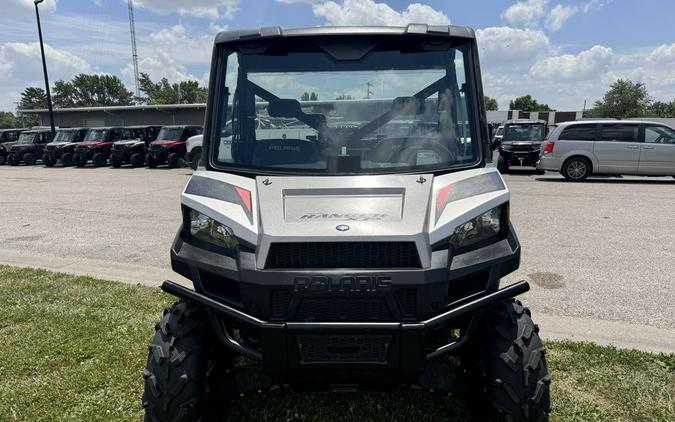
[[339, 216], [342, 228], [344, 284]]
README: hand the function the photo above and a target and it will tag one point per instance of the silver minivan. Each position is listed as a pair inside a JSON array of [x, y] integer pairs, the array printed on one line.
[[631, 147]]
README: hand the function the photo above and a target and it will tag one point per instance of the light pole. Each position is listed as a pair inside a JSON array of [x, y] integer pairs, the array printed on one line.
[[44, 68]]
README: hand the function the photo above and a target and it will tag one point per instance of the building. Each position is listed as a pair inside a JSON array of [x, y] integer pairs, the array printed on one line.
[[165, 114], [193, 114]]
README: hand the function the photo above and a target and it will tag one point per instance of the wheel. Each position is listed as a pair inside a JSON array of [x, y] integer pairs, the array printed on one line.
[[196, 156], [137, 160], [115, 161], [509, 378], [150, 161], [47, 161], [540, 172], [3, 160], [179, 357], [99, 159], [29, 159], [80, 160], [576, 169], [174, 160], [11, 160], [67, 159], [502, 165]]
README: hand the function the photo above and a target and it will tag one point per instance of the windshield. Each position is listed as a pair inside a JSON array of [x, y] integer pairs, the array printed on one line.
[[398, 107], [64, 135], [100, 135], [26, 138], [524, 132], [170, 134]]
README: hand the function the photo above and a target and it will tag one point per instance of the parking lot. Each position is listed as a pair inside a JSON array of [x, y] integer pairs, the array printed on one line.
[[600, 255]]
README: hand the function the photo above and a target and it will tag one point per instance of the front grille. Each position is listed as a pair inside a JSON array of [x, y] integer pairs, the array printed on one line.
[[343, 309], [50, 148], [82, 150], [343, 255], [118, 147], [154, 147], [343, 348], [406, 300], [280, 301]]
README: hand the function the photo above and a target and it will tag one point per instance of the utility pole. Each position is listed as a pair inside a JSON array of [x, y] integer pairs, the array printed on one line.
[[368, 91], [44, 69], [134, 53]]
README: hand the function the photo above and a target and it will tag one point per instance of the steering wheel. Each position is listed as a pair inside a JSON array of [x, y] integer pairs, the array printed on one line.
[[404, 150]]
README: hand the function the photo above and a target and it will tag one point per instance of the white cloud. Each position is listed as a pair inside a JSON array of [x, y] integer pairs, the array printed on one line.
[[211, 9], [587, 64], [368, 12], [526, 13], [511, 47], [12, 8], [559, 15], [23, 60], [663, 54]]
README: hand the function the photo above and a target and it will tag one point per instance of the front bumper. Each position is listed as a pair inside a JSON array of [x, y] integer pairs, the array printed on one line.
[[521, 158], [394, 319]]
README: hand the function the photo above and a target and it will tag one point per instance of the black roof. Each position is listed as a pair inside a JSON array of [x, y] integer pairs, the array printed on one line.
[[411, 29]]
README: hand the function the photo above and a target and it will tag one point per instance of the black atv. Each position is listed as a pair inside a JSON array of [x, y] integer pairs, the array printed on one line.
[[520, 144], [97, 145], [7, 138], [62, 148], [170, 146], [345, 257], [29, 147], [132, 151]]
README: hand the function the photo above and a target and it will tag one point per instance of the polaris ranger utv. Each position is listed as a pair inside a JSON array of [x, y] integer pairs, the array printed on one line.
[[520, 144], [351, 258], [29, 147], [170, 146], [97, 145], [63, 146], [133, 151]]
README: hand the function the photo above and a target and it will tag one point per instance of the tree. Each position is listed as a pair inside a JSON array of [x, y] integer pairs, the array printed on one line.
[[7, 120], [491, 104], [306, 96], [527, 103], [344, 97], [624, 99], [91, 91], [163, 92], [32, 98], [662, 109]]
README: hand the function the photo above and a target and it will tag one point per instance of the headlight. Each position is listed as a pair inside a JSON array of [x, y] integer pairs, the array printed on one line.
[[485, 226], [209, 230], [506, 147]]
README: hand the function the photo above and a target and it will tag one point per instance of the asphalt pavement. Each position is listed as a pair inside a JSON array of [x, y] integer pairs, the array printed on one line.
[[600, 255]]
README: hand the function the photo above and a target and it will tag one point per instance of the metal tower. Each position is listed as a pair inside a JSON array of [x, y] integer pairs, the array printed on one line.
[[134, 53]]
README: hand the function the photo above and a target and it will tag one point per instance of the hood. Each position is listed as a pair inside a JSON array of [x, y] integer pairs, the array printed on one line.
[[387, 208], [59, 144], [167, 143], [93, 143], [522, 142], [128, 142]]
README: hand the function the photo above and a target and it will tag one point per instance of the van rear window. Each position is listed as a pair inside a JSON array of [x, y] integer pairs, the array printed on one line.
[[579, 133]]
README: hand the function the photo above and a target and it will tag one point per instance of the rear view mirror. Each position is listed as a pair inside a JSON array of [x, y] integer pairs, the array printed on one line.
[[284, 107]]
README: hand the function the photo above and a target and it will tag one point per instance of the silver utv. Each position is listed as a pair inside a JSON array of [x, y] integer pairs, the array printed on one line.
[[359, 245]]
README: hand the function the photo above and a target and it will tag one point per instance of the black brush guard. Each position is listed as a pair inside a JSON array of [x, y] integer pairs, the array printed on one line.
[[279, 353]]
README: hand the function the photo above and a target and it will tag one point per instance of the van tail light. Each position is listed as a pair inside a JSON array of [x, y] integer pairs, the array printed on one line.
[[548, 147]]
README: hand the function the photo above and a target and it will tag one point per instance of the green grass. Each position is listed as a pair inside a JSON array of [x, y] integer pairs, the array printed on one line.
[[73, 348]]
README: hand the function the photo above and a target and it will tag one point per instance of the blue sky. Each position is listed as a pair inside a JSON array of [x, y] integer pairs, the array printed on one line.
[[561, 51]]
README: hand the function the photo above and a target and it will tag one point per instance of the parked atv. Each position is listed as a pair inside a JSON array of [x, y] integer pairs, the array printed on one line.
[[170, 146], [62, 148], [520, 144], [97, 145], [133, 151], [7, 138], [357, 257], [29, 147]]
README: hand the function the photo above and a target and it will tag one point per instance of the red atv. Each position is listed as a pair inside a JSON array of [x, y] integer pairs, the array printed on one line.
[[97, 145], [170, 147]]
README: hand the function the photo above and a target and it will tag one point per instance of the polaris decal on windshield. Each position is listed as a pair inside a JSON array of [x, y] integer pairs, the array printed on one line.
[[339, 216]]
